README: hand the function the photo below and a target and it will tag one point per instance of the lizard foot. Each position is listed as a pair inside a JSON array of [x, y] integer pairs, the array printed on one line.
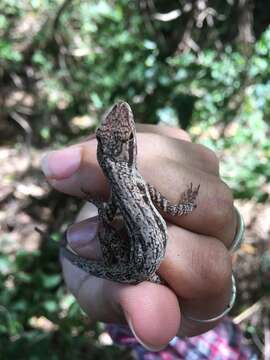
[[189, 196]]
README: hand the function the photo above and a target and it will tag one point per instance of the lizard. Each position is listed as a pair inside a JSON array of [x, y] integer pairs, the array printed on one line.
[[136, 257]]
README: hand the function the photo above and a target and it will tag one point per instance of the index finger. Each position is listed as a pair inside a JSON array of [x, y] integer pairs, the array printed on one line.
[[164, 130]]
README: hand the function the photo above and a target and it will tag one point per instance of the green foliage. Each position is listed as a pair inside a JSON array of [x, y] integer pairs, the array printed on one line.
[[38, 319], [237, 99], [96, 53]]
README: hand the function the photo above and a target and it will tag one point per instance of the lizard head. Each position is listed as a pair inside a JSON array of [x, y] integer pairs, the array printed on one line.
[[117, 135]]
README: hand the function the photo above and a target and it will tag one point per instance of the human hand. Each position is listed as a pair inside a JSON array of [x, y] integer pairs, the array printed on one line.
[[197, 266]]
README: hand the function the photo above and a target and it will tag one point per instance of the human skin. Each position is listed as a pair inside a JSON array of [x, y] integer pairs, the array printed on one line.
[[197, 266]]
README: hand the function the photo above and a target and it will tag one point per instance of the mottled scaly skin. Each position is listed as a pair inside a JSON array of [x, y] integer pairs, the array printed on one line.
[[137, 257]]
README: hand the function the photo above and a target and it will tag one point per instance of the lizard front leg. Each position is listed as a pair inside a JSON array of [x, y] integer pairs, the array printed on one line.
[[114, 243], [185, 206], [114, 246], [106, 233], [106, 211]]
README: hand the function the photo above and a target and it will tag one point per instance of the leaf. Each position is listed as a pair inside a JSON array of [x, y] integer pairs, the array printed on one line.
[[50, 281], [51, 306]]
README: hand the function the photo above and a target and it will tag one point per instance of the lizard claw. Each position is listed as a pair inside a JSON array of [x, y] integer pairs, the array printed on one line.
[[190, 195]]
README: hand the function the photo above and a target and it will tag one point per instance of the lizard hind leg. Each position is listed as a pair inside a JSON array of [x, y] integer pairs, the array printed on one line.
[[185, 206], [190, 195], [106, 211], [155, 278]]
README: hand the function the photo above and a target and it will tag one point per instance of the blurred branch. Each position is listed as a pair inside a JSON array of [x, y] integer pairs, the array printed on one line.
[[22, 122], [186, 41], [257, 341], [62, 8], [195, 24], [245, 23], [48, 29], [28, 133], [147, 9], [172, 15]]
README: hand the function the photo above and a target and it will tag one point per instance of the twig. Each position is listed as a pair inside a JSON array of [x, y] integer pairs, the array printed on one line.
[[148, 9], [168, 16], [24, 125], [49, 29], [249, 312], [28, 133], [257, 341], [60, 11]]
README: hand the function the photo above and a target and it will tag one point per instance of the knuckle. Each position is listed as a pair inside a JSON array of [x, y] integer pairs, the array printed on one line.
[[172, 132], [208, 156], [214, 267], [222, 212]]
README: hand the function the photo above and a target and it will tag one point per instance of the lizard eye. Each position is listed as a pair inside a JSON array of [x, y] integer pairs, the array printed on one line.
[[130, 138]]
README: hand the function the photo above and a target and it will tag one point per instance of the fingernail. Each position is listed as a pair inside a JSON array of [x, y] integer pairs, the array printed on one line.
[[61, 164], [149, 347], [79, 235]]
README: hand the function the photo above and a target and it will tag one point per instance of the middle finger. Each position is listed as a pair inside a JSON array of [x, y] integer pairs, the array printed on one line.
[[198, 268]]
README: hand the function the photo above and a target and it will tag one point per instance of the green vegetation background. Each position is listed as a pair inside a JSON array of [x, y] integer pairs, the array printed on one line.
[[73, 59]]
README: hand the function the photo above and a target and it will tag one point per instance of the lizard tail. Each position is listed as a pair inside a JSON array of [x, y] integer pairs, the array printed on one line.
[[122, 273]]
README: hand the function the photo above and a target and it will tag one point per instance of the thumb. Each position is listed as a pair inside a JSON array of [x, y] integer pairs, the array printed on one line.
[[151, 310]]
